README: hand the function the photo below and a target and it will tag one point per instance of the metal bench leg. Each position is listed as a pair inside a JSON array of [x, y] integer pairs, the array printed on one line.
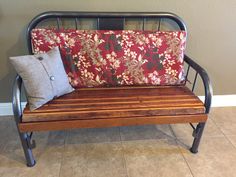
[[197, 134], [28, 145]]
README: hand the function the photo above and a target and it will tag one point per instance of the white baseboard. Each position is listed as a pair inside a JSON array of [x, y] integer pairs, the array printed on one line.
[[222, 100], [217, 101], [6, 108]]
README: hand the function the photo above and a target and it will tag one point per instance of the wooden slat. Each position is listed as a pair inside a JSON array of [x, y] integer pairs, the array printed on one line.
[[104, 103], [117, 102], [122, 98], [68, 124], [106, 114], [111, 105], [128, 92]]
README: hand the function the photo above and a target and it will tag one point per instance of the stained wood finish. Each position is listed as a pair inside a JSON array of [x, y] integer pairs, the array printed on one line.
[[122, 103], [92, 123]]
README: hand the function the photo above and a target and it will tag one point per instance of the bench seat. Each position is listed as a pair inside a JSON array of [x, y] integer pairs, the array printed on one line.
[[112, 60], [122, 105]]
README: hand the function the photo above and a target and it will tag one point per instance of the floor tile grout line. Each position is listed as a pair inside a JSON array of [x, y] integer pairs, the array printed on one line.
[[230, 142], [123, 154], [63, 152], [204, 134], [226, 137], [218, 127], [172, 131], [181, 153], [167, 136], [176, 140], [107, 142]]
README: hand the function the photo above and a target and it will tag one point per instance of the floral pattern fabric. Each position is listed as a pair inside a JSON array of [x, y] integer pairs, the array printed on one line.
[[98, 58]]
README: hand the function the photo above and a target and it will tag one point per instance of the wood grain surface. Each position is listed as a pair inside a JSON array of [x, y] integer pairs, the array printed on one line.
[[117, 103]]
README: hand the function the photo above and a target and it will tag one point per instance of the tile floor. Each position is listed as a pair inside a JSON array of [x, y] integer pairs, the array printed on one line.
[[142, 151]]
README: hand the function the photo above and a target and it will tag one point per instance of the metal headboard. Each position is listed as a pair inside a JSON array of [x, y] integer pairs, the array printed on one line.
[[105, 20]]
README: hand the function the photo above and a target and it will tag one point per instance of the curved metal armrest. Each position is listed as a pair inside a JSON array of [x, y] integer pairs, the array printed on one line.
[[206, 81], [16, 99]]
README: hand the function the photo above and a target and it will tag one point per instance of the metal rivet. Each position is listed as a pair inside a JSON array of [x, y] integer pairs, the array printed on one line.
[[40, 58], [52, 78]]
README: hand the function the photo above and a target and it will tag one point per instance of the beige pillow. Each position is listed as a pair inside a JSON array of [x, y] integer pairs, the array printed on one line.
[[43, 75]]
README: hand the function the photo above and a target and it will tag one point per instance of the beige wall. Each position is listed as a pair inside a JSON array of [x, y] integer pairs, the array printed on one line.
[[211, 25]]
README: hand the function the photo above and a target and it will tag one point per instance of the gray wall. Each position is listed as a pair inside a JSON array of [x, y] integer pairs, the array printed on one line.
[[211, 25]]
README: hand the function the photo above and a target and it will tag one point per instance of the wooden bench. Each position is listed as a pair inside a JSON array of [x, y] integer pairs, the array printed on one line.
[[116, 106]]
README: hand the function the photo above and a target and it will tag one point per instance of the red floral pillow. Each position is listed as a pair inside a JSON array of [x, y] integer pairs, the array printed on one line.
[[96, 58]]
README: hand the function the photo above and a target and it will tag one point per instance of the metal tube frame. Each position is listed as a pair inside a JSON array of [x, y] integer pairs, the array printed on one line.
[[198, 131], [27, 143], [25, 138]]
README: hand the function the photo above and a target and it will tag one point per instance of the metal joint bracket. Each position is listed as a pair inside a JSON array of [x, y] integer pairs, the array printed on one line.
[[30, 143]]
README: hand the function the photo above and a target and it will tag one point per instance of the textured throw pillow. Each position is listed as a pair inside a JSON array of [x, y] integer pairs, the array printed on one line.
[[98, 58], [43, 75]]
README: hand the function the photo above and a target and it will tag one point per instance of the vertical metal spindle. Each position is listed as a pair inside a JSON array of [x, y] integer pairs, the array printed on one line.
[[144, 20], [58, 22], [186, 77], [159, 25], [123, 23], [76, 23], [195, 79], [98, 19]]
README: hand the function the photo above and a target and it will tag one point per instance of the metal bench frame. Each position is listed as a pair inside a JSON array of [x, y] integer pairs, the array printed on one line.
[[114, 21]]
